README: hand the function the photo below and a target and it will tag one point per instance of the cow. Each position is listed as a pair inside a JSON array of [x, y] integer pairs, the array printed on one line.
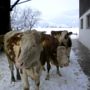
[[51, 51], [27, 51], [7, 44], [23, 50], [64, 39]]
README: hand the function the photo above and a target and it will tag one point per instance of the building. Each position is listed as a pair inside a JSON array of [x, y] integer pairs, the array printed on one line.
[[84, 15]]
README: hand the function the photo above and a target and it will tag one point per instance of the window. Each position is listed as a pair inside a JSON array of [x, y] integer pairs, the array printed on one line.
[[81, 22], [88, 21]]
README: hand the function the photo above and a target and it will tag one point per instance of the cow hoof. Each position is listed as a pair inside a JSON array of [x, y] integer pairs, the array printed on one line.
[[13, 80], [46, 78], [26, 88], [12, 83]]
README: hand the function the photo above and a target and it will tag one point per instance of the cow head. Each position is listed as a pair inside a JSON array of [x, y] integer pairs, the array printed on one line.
[[30, 49], [62, 56], [62, 36]]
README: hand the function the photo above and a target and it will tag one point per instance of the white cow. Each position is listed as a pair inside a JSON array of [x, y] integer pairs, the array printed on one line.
[[23, 50]]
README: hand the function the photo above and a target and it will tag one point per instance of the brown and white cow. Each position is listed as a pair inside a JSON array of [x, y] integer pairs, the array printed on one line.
[[11, 39], [64, 39], [23, 49], [51, 50]]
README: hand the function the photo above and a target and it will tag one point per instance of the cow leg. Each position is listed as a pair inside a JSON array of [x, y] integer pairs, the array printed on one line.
[[48, 69], [53, 57], [58, 71], [24, 78], [37, 79], [11, 66], [18, 74], [57, 66], [37, 82], [68, 52], [43, 59], [12, 75]]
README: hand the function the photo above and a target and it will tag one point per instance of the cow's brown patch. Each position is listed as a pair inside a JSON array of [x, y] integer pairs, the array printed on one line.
[[11, 42], [48, 41]]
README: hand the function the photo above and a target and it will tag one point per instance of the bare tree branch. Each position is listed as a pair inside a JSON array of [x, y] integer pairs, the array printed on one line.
[[11, 8], [27, 19], [17, 2], [24, 1]]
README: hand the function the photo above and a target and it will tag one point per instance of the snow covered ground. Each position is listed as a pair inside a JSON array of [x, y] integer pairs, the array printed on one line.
[[72, 77]]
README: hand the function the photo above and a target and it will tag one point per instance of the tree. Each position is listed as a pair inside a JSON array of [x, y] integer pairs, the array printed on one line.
[[28, 18], [5, 10], [14, 18]]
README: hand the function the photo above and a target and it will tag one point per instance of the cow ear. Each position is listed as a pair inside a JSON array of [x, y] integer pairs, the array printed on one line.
[[70, 33]]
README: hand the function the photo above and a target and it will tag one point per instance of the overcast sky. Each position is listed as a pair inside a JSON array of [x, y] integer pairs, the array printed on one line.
[[58, 12]]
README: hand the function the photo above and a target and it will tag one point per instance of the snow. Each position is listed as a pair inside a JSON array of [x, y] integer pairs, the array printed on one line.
[[72, 77]]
